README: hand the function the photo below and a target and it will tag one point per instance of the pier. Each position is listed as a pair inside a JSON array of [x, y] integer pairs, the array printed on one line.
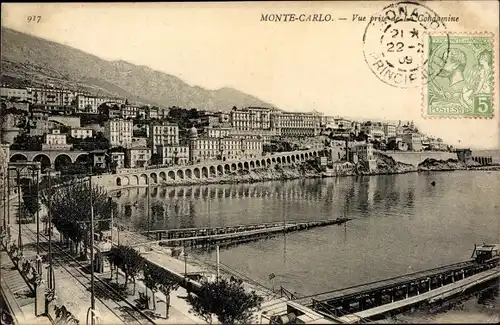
[[232, 234], [393, 295]]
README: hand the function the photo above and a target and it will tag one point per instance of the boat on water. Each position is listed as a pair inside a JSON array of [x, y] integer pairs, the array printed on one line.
[[486, 253]]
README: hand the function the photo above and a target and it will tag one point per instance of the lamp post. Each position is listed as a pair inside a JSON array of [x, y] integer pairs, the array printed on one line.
[[4, 197], [110, 200], [37, 210], [148, 207], [51, 279], [92, 297], [185, 263]]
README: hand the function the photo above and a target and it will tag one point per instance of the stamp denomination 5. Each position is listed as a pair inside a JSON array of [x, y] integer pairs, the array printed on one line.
[[463, 87]]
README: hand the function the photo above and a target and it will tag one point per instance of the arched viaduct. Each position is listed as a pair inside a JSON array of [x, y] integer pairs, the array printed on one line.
[[212, 170], [49, 158]]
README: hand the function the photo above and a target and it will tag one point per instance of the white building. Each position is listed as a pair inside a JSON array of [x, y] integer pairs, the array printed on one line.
[[217, 132], [389, 130], [81, 133], [137, 157], [166, 134], [50, 98], [374, 130], [414, 140], [18, 94], [55, 141], [173, 155], [295, 124], [90, 104], [129, 111], [364, 151], [119, 132], [227, 148], [251, 118]]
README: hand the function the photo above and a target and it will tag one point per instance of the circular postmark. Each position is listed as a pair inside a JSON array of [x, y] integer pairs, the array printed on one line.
[[395, 45]]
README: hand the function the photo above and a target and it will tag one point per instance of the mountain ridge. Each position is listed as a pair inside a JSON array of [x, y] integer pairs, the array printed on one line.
[[28, 59]]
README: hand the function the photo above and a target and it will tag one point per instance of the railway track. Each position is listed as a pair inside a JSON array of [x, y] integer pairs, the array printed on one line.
[[130, 314]]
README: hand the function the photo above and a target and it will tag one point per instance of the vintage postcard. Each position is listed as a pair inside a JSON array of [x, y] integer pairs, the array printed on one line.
[[323, 162]]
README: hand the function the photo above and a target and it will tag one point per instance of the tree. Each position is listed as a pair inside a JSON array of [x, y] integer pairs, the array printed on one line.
[[362, 136], [158, 279], [70, 209], [128, 260], [227, 299], [30, 202], [27, 142]]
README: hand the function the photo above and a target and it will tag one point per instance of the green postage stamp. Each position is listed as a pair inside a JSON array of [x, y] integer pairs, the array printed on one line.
[[460, 70]]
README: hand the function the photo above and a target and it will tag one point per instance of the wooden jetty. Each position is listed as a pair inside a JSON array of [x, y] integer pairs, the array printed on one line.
[[430, 297], [233, 234], [368, 300]]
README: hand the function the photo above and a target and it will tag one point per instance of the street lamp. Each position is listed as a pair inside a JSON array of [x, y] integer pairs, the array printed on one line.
[[92, 297], [4, 197]]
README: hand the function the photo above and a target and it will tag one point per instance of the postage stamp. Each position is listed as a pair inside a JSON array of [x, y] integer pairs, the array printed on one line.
[[463, 86], [393, 43]]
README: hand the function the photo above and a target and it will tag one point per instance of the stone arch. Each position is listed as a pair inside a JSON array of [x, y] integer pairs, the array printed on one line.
[[220, 169], [118, 181], [240, 165], [257, 163], [227, 168], [83, 157], [18, 157], [180, 174], [212, 171], [125, 181], [154, 178], [61, 161], [314, 153], [197, 173], [268, 161], [233, 167], [43, 159], [292, 158], [297, 157], [278, 160], [143, 180], [189, 173], [171, 175], [204, 172], [273, 160], [163, 176], [288, 160], [263, 163], [252, 164], [307, 155], [134, 180], [245, 165], [302, 156]]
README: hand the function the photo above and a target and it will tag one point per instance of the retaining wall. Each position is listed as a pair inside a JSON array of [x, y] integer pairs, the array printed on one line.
[[415, 158]]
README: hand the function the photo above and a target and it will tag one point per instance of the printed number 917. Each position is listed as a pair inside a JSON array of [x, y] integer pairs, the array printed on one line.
[[34, 19]]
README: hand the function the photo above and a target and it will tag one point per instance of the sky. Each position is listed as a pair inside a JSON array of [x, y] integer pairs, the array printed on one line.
[[299, 66]]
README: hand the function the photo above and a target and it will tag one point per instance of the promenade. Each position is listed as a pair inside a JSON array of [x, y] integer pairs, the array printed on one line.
[[73, 289]]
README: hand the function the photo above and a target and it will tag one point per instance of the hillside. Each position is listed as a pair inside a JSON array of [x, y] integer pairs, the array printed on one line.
[[31, 60]]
